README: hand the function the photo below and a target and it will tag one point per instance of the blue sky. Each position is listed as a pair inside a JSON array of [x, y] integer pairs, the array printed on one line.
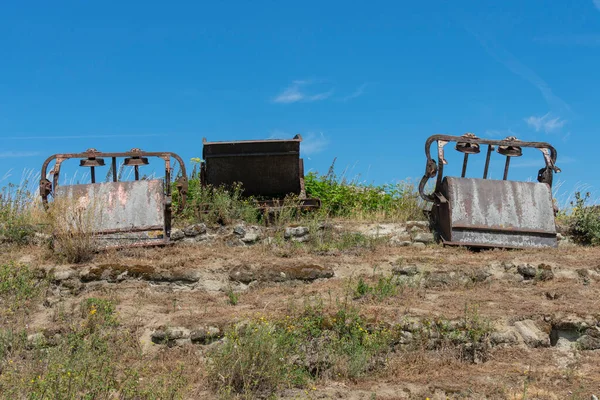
[[366, 82]]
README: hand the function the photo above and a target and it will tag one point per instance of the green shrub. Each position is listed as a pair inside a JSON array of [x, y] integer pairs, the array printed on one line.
[[93, 359], [18, 284], [340, 198], [585, 221], [261, 357]]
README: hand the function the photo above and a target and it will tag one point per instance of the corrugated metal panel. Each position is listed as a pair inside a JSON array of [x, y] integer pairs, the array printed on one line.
[[120, 206], [499, 213]]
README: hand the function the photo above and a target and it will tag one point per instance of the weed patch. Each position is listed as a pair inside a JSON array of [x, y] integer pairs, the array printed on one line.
[[263, 356], [86, 361]]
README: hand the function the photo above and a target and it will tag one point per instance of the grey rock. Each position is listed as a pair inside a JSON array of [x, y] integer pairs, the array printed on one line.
[[250, 238], [527, 271], [280, 273], [424, 237], [409, 270], [591, 339], [505, 337], [194, 230], [301, 239], [242, 273], [36, 338], [169, 334], [423, 225], [587, 342], [239, 230], [405, 338], [64, 275], [297, 231], [480, 275], [205, 335], [177, 234], [531, 334], [398, 240], [544, 273], [419, 245]]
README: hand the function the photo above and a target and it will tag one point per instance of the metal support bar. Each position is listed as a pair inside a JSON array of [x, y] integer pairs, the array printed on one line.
[[487, 161]]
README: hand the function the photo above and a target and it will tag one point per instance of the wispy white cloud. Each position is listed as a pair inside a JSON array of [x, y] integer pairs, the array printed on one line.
[[314, 143], [297, 91], [546, 123], [521, 70], [357, 93], [597, 4], [18, 154], [64, 137]]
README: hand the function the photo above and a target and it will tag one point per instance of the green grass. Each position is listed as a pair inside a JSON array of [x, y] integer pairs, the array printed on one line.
[[584, 221], [264, 356], [18, 285], [93, 358], [383, 287]]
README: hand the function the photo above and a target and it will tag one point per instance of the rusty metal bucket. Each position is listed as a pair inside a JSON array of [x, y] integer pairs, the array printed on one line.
[[481, 212], [265, 168], [121, 213]]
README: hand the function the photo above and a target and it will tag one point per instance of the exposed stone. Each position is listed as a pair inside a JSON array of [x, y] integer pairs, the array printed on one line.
[[591, 339], [35, 339], [301, 239], [297, 232], [527, 271], [242, 273], [418, 245], [409, 270], [480, 275], [205, 335], [544, 273], [114, 272], [504, 337], [63, 275], [400, 237], [177, 234], [400, 243], [170, 334], [405, 338], [239, 230], [423, 237], [194, 230], [572, 323], [531, 334], [280, 273], [250, 238], [423, 225]]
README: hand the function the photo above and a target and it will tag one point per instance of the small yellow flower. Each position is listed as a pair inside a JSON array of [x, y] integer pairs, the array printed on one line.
[[93, 311]]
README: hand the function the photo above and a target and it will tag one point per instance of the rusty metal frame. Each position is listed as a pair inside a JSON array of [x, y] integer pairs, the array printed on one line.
[[433, 169], [443, 210], [48, 188]]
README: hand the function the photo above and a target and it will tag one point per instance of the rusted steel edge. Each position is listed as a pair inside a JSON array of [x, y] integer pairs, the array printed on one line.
[[432, 168], [482, 245], [297, 138], [47, 187], [509, 230], [133, 229]]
